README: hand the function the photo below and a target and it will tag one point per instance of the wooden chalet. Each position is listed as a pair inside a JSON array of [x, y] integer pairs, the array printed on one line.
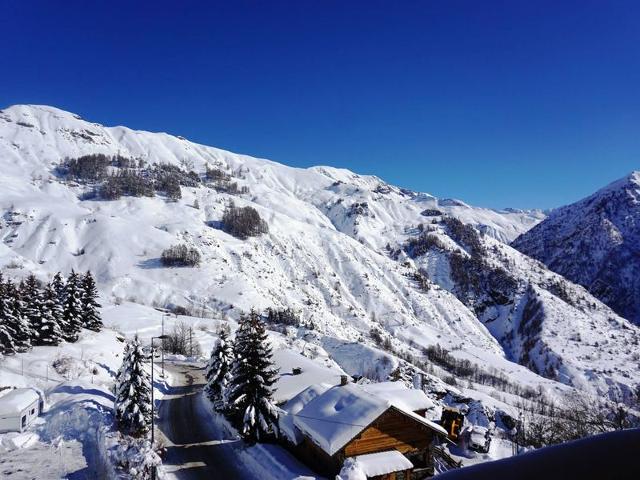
[[379, 427]]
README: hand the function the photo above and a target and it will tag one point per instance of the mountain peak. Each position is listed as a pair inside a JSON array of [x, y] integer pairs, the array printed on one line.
[[593, 242], [38, 110], [634, 177]]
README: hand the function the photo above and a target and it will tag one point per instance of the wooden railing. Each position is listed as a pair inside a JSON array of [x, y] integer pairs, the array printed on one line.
[[446, 460]]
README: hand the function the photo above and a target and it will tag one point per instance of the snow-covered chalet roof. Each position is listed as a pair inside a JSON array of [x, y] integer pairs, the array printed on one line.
[[293, 406], [400, 395], [14, 402], [288, 385], [382, 463], [339, 414]]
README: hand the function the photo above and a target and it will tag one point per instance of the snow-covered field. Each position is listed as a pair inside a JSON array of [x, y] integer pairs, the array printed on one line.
[[76, 379]]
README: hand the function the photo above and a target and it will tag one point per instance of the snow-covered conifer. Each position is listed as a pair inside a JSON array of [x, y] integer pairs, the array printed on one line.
[[7, 333], [250, 401], [58, 286], [133, 392], [72, 308], [49, 330], [90, 313], [218, 373], [123, 367], [20, 326], [33, 306]]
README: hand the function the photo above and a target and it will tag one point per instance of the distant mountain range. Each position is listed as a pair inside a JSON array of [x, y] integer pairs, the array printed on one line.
[[596, 243]]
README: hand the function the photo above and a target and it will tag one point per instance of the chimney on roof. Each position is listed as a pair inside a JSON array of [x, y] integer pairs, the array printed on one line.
[[344, 379]]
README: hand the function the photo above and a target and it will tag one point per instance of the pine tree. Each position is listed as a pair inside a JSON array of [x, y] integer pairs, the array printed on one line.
[[123, 367], [7, 332], [250, 400], [33, 306], [90, 314], [218, 373], [133, 392], [72, 308], [17, 322], [58, 286], [50, 332]]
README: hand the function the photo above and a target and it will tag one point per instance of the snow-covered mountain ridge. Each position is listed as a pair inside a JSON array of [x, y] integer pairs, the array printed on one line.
[[336, 252], [595, 242]]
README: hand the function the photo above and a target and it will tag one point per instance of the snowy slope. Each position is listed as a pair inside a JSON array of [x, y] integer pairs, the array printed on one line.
[[325, 254], [542, 320], [595, 242]]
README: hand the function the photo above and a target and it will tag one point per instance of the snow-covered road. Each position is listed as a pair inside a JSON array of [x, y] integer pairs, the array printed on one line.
[[196, 448], [200, 445]]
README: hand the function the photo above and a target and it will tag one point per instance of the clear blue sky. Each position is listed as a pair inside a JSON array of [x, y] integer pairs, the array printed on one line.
[[501, 103]]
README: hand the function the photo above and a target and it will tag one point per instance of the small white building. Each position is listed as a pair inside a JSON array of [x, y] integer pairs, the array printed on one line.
[[18, 409]]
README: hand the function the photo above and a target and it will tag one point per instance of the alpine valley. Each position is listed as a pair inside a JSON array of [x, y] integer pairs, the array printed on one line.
[[491, 309]]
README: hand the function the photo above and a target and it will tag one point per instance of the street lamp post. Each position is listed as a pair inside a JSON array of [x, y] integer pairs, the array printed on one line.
[[153, 428], [162, 350]]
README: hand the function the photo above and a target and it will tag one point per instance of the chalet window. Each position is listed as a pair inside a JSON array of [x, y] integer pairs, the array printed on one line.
[[24, 421], [33, 410]]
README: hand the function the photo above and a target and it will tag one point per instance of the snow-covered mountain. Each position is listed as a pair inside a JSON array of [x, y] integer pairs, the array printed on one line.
[[595, 242], [362, 260]]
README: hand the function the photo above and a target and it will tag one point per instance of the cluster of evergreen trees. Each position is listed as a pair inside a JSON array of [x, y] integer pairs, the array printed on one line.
[[36, 314], [180, 256], [117, 176], [243, 222], [240, 376], [286, 316]]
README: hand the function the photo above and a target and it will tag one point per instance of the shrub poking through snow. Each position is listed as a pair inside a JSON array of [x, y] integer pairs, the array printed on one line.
[[218, 372], [250, 403], [133, 392], [180, 256], [181, 341], [134, 457]]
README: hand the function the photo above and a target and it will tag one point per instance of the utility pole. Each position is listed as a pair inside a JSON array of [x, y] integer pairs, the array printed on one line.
[[153, 469], [162, 346]]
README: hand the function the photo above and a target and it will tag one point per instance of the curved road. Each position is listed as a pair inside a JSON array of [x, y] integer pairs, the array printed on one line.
[[195, 447]]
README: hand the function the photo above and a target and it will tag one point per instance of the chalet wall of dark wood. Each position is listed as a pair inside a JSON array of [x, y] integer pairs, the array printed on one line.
[[317, 459], [393, 430]]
